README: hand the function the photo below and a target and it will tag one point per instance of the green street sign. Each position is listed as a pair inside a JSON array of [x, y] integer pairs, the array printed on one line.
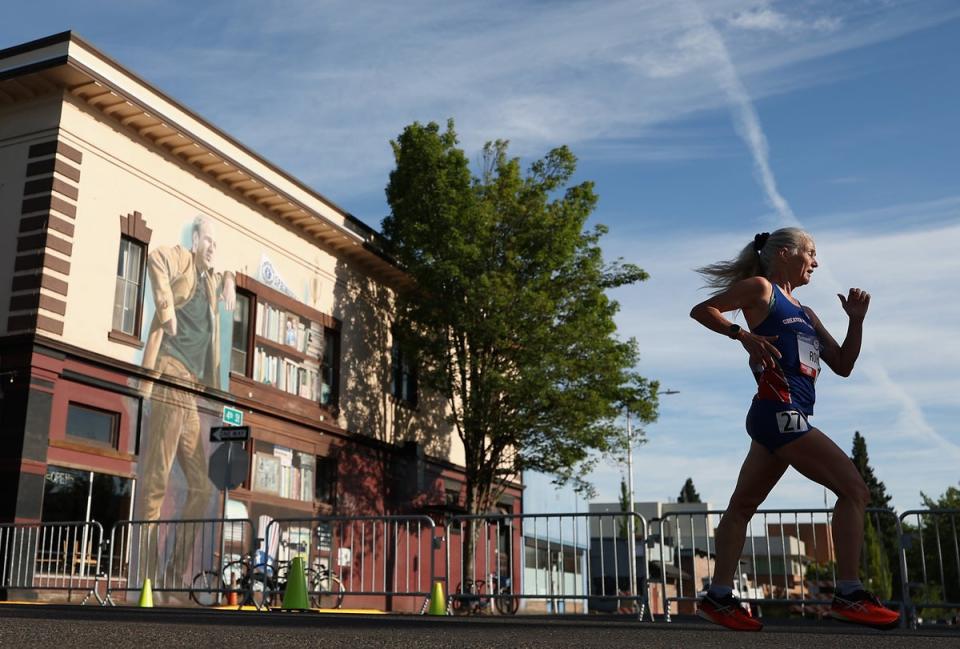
[[232, 416]]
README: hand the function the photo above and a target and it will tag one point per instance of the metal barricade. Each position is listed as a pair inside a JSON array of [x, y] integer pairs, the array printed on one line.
[[379, 561], [51, 556], [788, 559], [930, 564], [183, 559], [547, 563]]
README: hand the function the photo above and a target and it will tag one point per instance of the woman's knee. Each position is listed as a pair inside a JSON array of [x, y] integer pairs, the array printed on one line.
[[855, 490], [743, 505]]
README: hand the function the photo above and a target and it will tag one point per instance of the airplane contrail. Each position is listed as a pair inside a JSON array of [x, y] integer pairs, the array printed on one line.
[[748, 126]]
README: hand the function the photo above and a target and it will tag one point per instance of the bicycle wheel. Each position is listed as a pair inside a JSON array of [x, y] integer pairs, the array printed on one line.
[[326, 591], [206, 589], [266, 585], [505, 604]]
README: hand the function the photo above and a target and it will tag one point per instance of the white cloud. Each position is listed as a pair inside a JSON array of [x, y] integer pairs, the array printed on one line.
[[765, 18], [324, 86]]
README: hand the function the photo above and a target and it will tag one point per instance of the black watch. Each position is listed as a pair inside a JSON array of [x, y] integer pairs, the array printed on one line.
[[734, 331]]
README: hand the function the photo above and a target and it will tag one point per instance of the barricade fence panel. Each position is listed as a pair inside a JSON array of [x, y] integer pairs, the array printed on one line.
[[363, 561], [498, 563], [931, 564], [183, 559], [787, 563], [547, 563], [51, 557]]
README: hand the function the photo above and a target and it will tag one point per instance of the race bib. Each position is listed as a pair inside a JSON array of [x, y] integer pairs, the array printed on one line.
[[792, 421], [808, 351]]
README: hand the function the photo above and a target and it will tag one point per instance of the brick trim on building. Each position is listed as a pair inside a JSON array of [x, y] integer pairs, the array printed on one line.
[[45, 242]]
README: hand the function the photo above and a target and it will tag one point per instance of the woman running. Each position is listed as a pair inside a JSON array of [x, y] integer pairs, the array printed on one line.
[[786, 342]]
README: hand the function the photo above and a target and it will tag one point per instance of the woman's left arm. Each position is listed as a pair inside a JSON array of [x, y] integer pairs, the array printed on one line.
[[842, 358]]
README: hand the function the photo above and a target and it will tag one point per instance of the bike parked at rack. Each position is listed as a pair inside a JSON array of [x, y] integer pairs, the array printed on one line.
[[261, 582]]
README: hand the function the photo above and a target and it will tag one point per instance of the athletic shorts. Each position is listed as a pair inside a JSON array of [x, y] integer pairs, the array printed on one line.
[[774, 424]]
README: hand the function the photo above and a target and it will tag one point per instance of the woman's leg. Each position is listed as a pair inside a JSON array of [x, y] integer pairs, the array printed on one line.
[[760, 472], [816, 456]]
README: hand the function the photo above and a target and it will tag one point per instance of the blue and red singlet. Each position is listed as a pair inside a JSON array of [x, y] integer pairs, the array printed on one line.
[[785, 392]]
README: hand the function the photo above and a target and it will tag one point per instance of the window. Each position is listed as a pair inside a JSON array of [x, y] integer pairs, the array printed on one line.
[[128, 298], [325, 489], [91, 425], [330, 368], [403, 374], [80, 495], [241, 334]]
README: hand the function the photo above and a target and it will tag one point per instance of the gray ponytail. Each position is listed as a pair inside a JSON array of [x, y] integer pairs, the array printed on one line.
[[754, 260]]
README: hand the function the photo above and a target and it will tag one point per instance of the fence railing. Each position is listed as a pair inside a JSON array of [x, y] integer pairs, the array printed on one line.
[[547, 563], [930, 562], [355, 558], [788, 559], [533, 563], [177, 556], [51, 556]]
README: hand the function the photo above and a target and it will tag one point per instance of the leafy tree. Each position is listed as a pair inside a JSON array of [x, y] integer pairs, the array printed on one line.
[[688, 494], [508, 313], [931, 551], [884, 526]]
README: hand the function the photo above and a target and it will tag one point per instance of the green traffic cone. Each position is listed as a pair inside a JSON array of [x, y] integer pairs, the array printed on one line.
[[295, 596], [438, 603], [146, 595]]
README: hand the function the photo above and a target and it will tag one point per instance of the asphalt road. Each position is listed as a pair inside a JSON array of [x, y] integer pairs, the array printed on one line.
[[62, 627]]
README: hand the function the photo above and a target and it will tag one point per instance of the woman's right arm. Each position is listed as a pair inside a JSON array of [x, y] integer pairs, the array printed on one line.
[[752, 296]]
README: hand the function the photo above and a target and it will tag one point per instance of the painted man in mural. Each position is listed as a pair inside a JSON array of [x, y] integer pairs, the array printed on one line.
[[184, 343]]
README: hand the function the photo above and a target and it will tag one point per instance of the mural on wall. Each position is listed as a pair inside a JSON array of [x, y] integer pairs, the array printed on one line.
[[189, 295]]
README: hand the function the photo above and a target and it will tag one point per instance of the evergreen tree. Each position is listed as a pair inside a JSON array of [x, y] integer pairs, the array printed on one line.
[[875, 572], [689, 493], [883, 527]]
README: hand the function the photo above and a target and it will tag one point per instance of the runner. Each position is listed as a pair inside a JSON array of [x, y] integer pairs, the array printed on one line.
[[786, 342]]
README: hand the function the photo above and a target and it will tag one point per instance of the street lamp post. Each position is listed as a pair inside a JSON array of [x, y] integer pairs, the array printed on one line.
[[632, 542]]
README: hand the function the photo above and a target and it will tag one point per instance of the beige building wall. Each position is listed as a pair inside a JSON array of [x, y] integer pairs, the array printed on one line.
[[122, 173]]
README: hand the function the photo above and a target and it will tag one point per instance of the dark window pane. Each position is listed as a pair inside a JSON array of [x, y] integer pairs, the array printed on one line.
[[329, 379], [98, 426], [241, 334], [65, 493], [326, 479], [110, 502]]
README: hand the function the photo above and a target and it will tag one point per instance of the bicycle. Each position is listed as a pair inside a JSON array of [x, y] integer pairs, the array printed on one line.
[[472, 601], [262, 582]]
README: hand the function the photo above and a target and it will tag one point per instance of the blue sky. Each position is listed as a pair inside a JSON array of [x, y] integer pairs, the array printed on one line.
[[701, 123]]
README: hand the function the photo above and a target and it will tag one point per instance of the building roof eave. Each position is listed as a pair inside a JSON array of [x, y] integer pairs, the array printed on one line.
[[65, 62]]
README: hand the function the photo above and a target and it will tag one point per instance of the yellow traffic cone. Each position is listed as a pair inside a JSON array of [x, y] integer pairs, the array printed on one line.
[[146, 595], [295, 596], [438, 603]]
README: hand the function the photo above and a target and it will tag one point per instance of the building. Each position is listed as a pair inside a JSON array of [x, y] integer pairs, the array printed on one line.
[[157, 279]]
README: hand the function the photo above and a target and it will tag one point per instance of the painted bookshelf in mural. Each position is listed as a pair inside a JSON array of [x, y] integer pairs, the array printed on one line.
[[294, 348], [287, 352], [283, 471]]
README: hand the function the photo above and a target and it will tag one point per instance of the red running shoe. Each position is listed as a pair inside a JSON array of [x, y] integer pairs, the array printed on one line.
[[727, 611], [861, 607]]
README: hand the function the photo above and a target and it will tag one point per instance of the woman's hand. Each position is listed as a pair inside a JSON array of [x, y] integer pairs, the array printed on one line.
[[855, 304], [763, 353]]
